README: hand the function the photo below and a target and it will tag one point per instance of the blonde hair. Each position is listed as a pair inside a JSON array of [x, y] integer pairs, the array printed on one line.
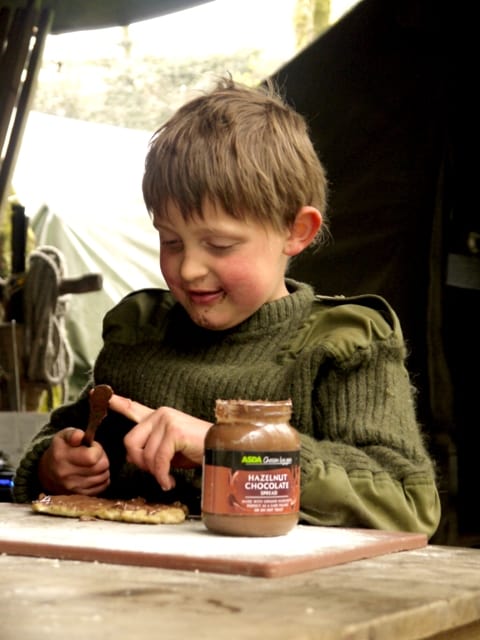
[[241, 148]]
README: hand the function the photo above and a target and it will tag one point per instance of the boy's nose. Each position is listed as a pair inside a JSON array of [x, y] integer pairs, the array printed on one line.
[[192, 267]]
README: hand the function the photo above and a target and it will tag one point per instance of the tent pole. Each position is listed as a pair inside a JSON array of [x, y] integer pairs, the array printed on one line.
[[15, 59]]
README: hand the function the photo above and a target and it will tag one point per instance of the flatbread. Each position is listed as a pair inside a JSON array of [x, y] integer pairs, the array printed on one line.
[[136, 510]]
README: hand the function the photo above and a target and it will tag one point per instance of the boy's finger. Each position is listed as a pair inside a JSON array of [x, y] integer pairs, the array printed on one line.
[[129, 408]]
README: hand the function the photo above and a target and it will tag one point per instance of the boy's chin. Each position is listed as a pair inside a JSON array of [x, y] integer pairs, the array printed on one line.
[[209, 323], [208, 319]]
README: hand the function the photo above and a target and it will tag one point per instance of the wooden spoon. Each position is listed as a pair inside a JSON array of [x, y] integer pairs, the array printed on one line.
[[98, 400]]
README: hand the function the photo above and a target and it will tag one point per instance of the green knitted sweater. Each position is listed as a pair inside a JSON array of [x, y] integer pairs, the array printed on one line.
[[340, 360]]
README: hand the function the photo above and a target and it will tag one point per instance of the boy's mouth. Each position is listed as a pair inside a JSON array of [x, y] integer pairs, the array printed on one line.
[[206, 297]]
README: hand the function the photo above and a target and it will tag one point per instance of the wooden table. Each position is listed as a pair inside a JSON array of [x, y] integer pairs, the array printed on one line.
[[433, 592]]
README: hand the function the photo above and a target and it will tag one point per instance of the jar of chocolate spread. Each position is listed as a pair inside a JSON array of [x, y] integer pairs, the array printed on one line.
[[251, 469]]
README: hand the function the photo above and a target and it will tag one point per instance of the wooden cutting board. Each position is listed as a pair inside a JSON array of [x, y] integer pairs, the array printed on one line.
[[190, 546]]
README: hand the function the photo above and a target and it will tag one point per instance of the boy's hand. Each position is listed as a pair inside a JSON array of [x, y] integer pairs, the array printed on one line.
[[69, 467], [162, 438]]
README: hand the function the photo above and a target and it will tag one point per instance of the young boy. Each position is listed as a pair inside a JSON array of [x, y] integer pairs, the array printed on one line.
[[235, 190]]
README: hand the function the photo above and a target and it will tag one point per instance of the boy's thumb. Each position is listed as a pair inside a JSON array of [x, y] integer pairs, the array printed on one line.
[[73, 436]]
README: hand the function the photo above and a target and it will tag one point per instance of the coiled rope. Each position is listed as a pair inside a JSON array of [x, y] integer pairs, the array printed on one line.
[[47, 354]]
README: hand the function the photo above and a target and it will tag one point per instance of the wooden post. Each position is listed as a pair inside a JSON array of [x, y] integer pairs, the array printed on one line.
[[18, 58]]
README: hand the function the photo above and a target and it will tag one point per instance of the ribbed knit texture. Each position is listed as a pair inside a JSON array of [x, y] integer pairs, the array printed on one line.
[[342, 364]]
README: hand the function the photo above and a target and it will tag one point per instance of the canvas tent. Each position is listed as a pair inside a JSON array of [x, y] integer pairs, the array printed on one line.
[[76, 15], [392, 120], [100, 224]]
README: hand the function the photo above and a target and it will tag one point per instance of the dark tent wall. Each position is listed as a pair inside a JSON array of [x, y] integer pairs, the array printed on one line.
[[383, 101]]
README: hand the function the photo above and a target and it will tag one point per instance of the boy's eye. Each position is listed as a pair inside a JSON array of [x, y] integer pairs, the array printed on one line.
[[170, 243], [221, 244], [220, 247]]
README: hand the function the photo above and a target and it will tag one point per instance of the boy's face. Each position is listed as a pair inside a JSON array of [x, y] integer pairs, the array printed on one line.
[[221, 270]]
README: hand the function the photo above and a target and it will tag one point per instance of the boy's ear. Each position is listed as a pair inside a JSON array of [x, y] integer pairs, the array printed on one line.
[[307, 223]]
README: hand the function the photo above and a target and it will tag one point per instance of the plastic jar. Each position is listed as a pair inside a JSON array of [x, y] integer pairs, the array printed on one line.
[[251, 469]]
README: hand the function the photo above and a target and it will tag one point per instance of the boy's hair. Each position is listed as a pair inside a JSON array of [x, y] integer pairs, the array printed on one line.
[[238, 147]]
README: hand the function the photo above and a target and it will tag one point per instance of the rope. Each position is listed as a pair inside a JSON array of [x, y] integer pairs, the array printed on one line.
[[46, 350]]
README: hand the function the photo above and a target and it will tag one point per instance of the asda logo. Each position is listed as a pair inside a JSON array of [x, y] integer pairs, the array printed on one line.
[[251, 459]]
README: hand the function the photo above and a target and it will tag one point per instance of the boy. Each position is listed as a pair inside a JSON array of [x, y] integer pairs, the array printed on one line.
[[235, 190]]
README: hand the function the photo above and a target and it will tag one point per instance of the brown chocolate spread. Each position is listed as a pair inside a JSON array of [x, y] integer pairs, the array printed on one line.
[[251, 469], [93, 503]]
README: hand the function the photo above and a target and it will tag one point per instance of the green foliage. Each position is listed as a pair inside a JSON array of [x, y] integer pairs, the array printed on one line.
[[138, 94], [311, 19]]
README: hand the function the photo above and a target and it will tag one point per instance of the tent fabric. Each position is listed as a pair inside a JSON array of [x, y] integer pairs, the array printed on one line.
[[125, 257], [391, 122], [374, 94], [94, 215], [79, 15]]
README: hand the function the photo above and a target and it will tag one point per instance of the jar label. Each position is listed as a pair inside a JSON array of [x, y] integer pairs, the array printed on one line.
[[251, 482]]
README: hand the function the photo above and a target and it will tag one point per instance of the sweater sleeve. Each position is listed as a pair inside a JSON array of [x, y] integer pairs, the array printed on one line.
[[26, 486], [366, 464], [334, 495]]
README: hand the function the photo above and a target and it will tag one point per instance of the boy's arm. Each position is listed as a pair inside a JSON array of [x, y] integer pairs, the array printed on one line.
[[333, 496], [369, 467]]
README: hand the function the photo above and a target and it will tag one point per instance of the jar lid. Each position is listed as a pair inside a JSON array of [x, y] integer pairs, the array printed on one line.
[[244, 408]]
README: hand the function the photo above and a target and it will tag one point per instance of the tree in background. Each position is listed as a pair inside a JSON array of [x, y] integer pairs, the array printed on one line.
[[311, 18], [138, 93]]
